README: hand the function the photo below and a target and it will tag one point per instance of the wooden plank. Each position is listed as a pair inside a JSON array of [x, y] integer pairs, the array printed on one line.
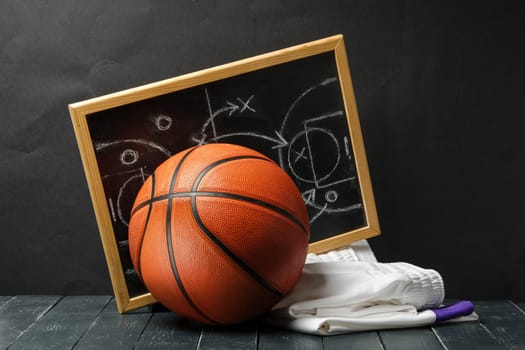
[[504, 320], [165, 330], [111, 330], [361, 340], [463, 336], [241, 337], [410, 338], [4, 299], [521, 305], [20, 314], [275, 338], [63, 325]]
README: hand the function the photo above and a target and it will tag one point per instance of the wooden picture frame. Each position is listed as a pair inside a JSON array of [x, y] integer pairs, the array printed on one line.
[[296, 99]]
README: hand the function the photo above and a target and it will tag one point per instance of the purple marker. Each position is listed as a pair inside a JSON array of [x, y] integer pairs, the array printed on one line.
[[461, 308]]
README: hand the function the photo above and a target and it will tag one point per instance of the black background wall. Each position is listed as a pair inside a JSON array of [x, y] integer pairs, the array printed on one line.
[[439, 87]]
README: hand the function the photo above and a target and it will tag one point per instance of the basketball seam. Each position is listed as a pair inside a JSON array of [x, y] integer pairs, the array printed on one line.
[[243, 265], [193, 195], [150, 207], [204, 171], [170, 243], [228, 195]]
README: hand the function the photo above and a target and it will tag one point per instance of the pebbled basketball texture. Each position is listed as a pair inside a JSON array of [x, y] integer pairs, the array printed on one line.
[[219, 233]]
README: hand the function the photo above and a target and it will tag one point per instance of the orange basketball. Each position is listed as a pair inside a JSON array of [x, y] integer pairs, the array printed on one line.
[[219, 233]]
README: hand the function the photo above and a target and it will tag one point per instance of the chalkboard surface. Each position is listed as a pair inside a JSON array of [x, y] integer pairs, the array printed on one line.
[[294, 105]]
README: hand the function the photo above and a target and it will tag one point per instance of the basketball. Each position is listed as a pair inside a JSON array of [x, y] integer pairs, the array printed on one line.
[[219, 233]]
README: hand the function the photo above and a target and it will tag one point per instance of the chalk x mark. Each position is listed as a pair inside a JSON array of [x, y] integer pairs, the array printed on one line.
[[245, 105], [300, 155], [319, 178], [316, 178]]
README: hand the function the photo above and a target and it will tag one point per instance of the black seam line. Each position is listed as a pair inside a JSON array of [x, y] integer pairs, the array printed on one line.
[[197, 180], [217, 241], [248, 199], [245, 267], [170, 242], [219, 162], [139, 269], [228, 195]]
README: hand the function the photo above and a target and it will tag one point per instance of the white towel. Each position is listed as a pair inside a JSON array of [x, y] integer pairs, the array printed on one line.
[[337, 294]]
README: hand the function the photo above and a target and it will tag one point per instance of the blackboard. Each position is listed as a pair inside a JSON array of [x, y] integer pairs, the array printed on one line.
[[295, 105]]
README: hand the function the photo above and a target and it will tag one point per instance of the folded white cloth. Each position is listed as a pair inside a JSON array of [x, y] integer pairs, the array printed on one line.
[[338, 294], [358, 251]]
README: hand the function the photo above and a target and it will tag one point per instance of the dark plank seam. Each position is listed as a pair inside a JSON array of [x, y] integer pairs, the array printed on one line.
[[200, 339], [381, 341], [6, 302], [489, 332], [143, 330], [432, 329], [354, 340], [499, 340], [42, 314], [97, 316], [257, 336], [482, 325], [517, 307]]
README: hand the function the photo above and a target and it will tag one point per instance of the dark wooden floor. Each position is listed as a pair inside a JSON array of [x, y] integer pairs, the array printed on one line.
[[92, 322]]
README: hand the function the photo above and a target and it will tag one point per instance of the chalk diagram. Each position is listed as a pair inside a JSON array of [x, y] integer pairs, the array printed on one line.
[[126, 164], [313, 149], [126, 170]]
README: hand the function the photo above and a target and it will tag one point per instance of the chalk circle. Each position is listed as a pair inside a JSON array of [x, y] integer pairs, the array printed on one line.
[[331, 196], [163, 122], [305, 168], [129, 157], [131, 185]]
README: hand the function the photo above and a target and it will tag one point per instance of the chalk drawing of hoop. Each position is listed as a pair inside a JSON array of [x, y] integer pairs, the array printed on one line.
[[318, 155], [321, 188], [301, 158]]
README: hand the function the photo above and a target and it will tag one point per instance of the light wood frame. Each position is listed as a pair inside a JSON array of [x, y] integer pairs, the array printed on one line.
[[79, 113]]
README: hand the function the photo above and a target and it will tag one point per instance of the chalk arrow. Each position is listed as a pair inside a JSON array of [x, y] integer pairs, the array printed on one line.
[[232, 107], [281, 141]]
